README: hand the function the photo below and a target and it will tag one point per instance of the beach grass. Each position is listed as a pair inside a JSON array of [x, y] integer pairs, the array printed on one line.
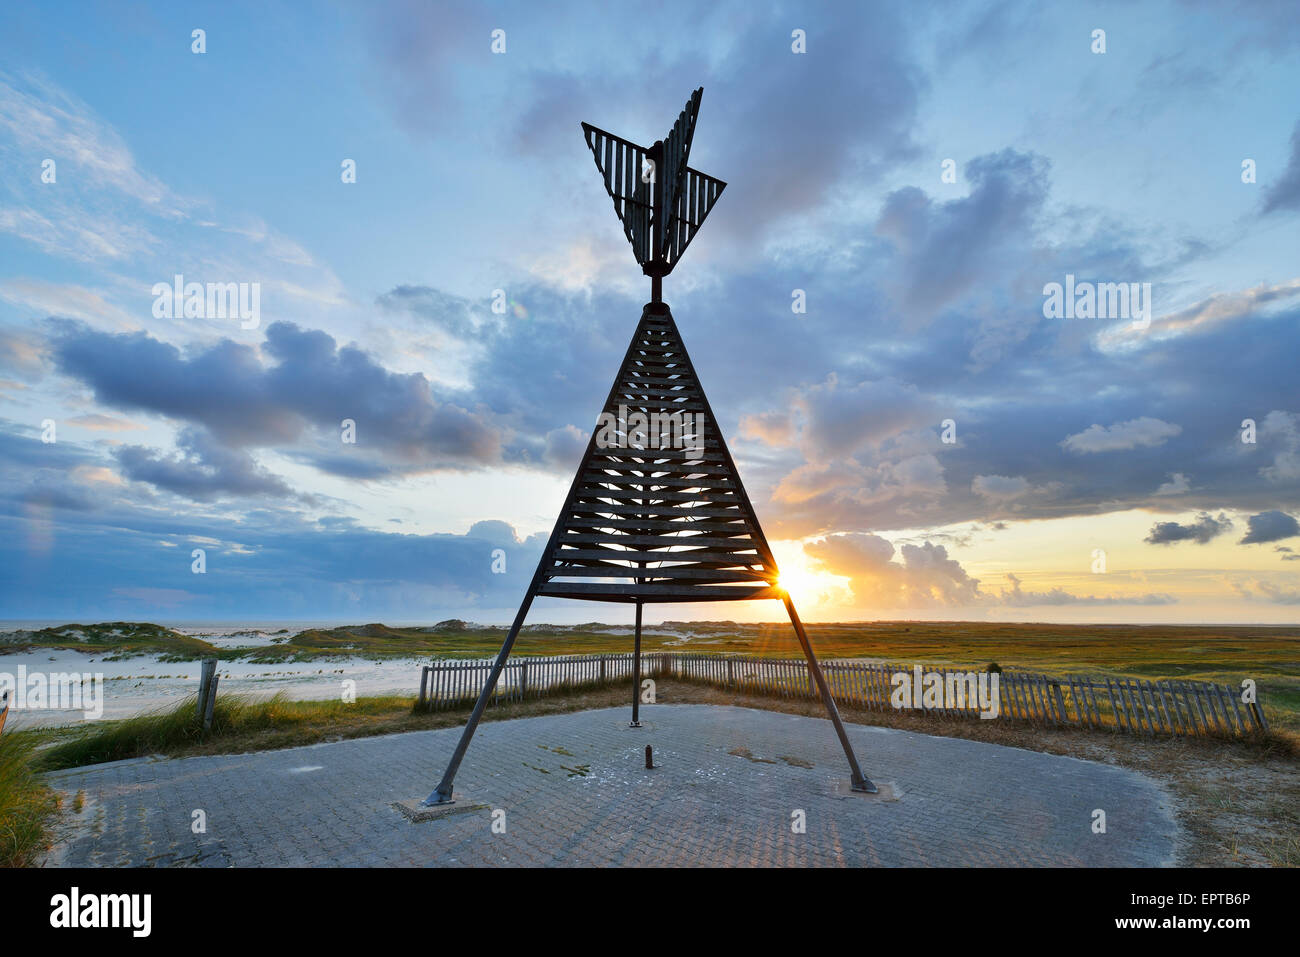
[[26, 803]]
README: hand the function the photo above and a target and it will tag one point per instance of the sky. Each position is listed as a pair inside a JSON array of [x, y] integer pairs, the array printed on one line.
[[408, 194]]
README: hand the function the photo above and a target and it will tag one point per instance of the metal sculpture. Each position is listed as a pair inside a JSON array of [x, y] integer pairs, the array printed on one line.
[[656, 511]]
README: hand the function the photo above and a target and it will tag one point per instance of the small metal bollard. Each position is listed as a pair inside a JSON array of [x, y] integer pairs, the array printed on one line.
[[649, 759]]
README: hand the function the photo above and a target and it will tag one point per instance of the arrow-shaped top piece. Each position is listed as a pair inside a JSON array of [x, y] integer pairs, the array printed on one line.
[[660, 200]]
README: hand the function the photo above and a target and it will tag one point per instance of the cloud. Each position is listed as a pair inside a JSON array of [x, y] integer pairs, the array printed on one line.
[[448, 313], [1218, 309], [495, 531], [773, 428], [1016, 597], [22, 354], [999, 487], [67, 301], [1203, 530], [298, 568], [1178, 484], [37, 116], [1135, 433], [295, 403], [1268, 591], [778, 118], [1284, 193], [1282, 430], [204, 469], [1270, 526], [926, 577], [103, 423], [945, 249], [837, 418], [88, 213], [564, 448]]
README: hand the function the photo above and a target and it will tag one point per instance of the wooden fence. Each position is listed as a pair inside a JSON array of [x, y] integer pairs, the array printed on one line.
[[1122, 704], [452, 684]]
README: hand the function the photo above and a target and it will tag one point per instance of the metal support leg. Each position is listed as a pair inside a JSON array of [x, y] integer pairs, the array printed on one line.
[[442, 793], [857, 780], [636, 673]]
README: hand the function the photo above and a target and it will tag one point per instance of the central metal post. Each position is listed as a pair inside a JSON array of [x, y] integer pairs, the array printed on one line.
[[636, 672], [656, 266]]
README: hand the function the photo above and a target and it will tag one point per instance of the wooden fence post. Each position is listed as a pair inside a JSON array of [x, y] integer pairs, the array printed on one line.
[[207, 673], [211, 703]]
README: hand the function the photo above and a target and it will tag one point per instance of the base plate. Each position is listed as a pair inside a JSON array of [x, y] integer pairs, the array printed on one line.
[[887, 791], [415, 811]]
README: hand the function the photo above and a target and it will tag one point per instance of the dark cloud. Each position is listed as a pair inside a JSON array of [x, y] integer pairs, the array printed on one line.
[[275, 565], [298, 402], [204, 469], [1270, 526], [451, 314], [1284, 193], [1203, 530], [946, 248]]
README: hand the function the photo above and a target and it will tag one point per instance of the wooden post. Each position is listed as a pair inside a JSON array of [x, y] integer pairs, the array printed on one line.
[[207, 674], [211, 703], [1060, 701]]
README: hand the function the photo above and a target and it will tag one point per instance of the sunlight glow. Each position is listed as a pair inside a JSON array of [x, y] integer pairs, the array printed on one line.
[[806, 582]]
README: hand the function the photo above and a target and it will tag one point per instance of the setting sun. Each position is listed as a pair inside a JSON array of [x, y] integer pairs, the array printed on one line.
[[806, 583]]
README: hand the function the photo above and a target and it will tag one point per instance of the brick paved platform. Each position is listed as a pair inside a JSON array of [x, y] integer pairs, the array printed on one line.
[[575, 792]]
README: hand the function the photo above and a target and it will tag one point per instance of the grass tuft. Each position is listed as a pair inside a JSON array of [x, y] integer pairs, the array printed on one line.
[[26, 804], [237, 720]]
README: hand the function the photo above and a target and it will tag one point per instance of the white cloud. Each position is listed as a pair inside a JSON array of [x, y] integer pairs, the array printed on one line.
[[1144, 431], [1177, 485]]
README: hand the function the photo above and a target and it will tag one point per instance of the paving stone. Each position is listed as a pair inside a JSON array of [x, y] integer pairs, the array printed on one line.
[[575, 791]]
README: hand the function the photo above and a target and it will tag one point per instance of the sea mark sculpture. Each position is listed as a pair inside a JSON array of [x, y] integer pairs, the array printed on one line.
[[656, 511]]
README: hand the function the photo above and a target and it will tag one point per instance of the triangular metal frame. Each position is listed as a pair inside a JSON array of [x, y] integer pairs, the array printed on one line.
[[673, 521]]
